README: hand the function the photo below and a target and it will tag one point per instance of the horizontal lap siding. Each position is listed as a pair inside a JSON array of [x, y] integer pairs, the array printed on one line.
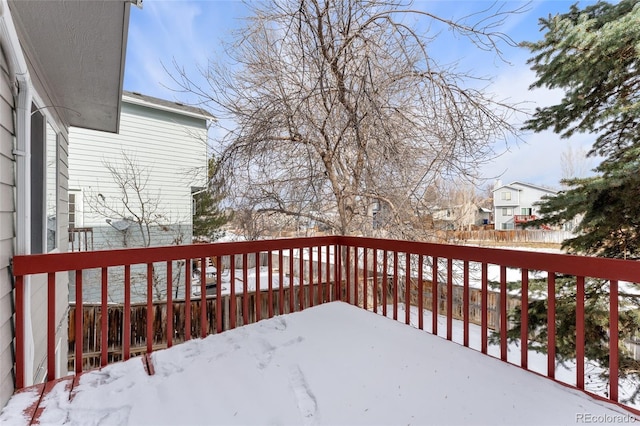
[[170, 147], [7, 208]]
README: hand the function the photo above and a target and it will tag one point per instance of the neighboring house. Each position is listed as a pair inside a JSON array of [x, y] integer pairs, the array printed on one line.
[[60, 66], [514, 204], [164, 145], [460, 217]]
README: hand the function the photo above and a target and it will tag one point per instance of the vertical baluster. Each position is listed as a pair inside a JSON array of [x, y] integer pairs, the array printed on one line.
[[613, 341], [484, 322], [385, 283], [420, 292], [450, 299], [270, 283], [365, 278], [395, 285], [232, 292], [551, 325], [311, 292], [375, 280], [126, 339], [187, 299], [348, 272], [580, 332], [407, 289], [51, 326], [104, 318], [434, 295], [301, 274], [20, 341], [149, 307], [258, 304], [356, 284], [219, 325], [169, 303], [503, 312], [465, 303], [203, 298], [524, 320], [245, 289]]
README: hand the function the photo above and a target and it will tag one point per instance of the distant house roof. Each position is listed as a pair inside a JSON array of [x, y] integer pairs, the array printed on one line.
[[530, 185], [163, 104]]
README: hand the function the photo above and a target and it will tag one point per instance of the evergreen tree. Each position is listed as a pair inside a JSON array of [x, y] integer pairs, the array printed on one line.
[[594, 55], [207, 217]]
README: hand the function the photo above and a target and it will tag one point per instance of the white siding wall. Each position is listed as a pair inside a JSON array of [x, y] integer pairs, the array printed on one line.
[[170, 148], [6, 232]]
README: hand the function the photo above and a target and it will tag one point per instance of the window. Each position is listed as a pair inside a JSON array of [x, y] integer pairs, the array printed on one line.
[[506, 195], [525, 211], [507, 226], [44, 184], [507, 211]]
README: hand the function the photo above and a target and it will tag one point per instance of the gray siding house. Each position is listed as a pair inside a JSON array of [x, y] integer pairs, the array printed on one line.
[[514, 204], [51, 78], [163, 146]]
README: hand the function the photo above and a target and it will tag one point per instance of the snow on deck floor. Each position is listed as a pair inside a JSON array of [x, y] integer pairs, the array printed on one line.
[[331, 364]]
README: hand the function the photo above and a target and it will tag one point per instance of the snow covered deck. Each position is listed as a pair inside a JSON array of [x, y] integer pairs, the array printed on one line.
[[330, 364]]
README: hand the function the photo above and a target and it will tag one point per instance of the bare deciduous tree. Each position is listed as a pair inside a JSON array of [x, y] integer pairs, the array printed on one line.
[[338, 106], [137, 214]]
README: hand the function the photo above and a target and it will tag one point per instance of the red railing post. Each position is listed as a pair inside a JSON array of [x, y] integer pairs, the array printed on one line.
[[104, 318], [524, 320], [20, 353], [51, 326], [551, 325], [79, 335], [292, 289], [580, 332], [613, 340]]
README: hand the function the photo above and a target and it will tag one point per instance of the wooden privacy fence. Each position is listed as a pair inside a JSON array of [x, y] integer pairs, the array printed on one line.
[[280, 303], [507, 236]]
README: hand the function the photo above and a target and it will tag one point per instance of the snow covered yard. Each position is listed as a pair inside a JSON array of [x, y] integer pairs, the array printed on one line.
[[331, 364]]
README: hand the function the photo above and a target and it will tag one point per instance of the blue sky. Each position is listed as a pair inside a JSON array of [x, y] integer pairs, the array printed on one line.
[[191, 32]]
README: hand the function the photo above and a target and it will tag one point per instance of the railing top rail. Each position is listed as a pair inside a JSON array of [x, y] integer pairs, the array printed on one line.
[[58, 262], [614, 269], [595, 267]]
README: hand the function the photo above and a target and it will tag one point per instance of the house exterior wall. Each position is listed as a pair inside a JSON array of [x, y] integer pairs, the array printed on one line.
[[510, 200], [169, 148], [7, 235], [54, 172]]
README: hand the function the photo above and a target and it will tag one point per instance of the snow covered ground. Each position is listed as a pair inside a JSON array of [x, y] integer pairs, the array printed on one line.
[[331, 364]]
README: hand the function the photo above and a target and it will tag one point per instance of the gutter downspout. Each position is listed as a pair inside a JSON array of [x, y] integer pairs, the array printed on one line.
[[19, 73]]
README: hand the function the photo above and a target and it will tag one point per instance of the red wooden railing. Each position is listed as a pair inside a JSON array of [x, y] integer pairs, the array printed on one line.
[[342, 271]]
